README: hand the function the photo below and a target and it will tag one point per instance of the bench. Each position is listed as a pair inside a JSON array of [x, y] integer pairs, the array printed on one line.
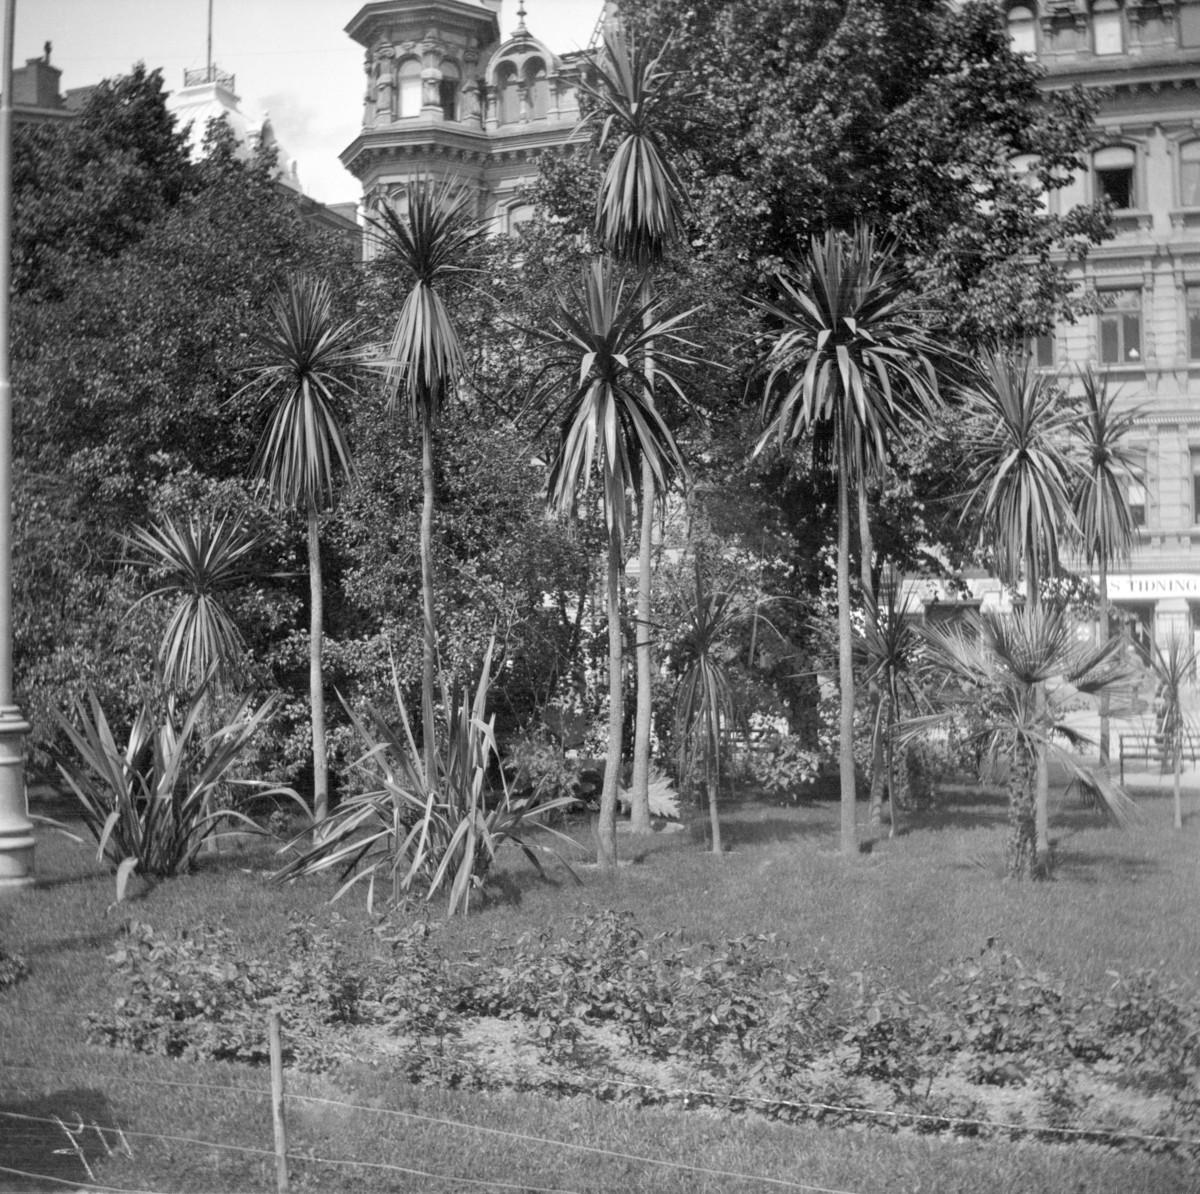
[[1152, 748]]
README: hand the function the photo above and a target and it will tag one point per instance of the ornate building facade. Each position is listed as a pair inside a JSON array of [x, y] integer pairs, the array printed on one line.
[[1142, 59], [447, 97]]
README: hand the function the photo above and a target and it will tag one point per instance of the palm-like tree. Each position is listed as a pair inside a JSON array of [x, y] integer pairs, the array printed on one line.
[[1174, 669], [195, 564], [306, 358], [705, 700], [1100, 499], [1001, 667], [849, 365], [891, 661], [431, 238], [638, 211], [595, 351], [1022, 474]]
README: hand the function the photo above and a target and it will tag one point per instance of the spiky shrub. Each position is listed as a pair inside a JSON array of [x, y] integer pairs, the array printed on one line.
[[1001, 665], [424, 832], [148, 802]]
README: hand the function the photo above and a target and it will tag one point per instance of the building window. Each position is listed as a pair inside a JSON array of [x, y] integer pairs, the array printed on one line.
[[1114, 175], [1135, 495], [1022, 31], [410, 88], [1188, 16], [448, 91], [1196, 486], [538, 88], [1189, 172], [1041, 350], [1193, 320], [1121, 328], [1108, 28], [510, 93]]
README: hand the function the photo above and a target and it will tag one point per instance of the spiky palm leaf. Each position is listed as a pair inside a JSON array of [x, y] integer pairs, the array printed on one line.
[[1021, 471], [196, 562], [595, 350], [641, 198], [304, 358], [431, 239], [849, 360]]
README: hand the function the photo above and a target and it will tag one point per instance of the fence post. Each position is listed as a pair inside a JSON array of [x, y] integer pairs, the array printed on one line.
[[281, 1167]]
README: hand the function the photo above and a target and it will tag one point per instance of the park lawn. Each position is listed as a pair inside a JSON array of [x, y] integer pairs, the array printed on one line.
[[901, 912]]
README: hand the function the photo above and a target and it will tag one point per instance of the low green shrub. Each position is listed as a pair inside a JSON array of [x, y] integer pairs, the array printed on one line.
[[783, 768], [197, 995]]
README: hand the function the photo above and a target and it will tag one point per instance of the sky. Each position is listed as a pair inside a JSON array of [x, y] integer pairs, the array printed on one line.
[[291, 58]]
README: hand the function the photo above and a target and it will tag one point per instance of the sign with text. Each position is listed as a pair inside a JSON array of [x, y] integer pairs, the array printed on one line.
[[1153, 587]]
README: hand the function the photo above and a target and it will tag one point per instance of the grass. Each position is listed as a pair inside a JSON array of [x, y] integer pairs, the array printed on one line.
[[1121, 901]]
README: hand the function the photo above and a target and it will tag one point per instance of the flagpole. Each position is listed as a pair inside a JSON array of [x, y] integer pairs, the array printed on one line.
[[16, 830]]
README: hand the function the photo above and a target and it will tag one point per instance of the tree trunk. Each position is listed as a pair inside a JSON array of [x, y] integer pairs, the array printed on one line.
[[714, 789], [316, 685], [606, 830], [874, 689], [639, 791], [849, 830], [1041, 864], [1101, 639], [1022, 839], [429, 650], [1178, 752]]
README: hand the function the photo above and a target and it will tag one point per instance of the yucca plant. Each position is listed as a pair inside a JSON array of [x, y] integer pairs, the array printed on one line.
[[1019, 674], [195, 563], [419, 831], [147, 802], [1174, 669]]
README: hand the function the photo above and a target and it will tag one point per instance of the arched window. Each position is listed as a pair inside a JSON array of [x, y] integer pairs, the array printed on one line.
[[509, 92], [539, 89], [1189, 174], [1022, 31], [448, 91], [1114, 176], [410, 88], [1108, 28]]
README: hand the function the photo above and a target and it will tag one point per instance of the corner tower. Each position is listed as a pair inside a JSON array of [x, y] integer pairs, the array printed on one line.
[[447, 97]]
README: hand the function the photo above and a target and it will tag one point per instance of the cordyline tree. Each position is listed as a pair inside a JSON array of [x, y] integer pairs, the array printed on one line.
[[431, 238], [596, 388], [638, 214], [1022, 472], [1101, 497], [303, 376], [850, 365]]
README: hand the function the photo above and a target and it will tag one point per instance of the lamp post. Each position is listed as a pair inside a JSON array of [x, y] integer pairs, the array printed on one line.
[[16, 830]]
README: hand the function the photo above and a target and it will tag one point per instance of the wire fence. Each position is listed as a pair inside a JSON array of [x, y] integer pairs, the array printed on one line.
[[681, 1096]]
